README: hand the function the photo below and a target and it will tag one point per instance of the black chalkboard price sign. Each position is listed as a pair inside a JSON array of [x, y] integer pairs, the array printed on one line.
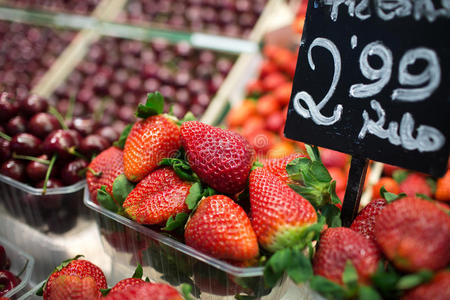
[[373, 80]]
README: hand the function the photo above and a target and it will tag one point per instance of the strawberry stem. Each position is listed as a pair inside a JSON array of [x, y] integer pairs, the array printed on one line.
[[47, 175], [5, 136], [32, 158]]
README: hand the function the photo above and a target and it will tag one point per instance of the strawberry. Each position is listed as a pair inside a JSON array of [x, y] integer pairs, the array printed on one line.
[[277, 166], [388, 183], [68, 287], [124, 284], [150, 140], [443, 187], [103, 170], [331, 158], [79, 268], [437, 289], [220, 157], [279, 215], [147, 290], [221, 228], [414, 234], [364, 222], [340, 244], [157, 197], [415, 184]]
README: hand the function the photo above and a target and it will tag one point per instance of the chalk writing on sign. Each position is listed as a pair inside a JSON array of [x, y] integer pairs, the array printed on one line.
[[390, 9]]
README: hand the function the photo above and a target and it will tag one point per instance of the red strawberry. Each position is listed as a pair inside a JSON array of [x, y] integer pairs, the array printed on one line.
[[220, 157], [79, 268], [147, 290], [221, 228], [67, 287], [364, 222], [277, 166], [126, 283], [157, 197], [437, 289], [414, 234], [337, 246], [415, 184], [331, 158], [278, 214], [107, 166], [149, 141], [443, 188]]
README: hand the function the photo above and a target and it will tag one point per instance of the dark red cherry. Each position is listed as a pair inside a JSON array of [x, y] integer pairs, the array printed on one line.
[[71, 172], [25, 144], [13, 168], [32, 105]]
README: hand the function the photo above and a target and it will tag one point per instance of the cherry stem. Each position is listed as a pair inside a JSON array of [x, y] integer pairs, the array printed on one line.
[[69, 113], [32, 158], [5, 136], [74, 152], [96, 174], [99, 112], [58, 116], [47, 175]]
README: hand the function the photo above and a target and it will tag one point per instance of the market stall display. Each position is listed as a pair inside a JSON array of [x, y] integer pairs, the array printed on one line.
[[231, 18], [116, 75], [68, 6], [35, 50]]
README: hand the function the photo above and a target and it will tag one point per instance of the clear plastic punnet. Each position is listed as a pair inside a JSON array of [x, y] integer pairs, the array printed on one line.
[[165, 259], [21, 264]]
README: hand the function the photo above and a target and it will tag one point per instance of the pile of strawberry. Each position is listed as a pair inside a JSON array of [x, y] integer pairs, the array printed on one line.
[[186, 174], [205, 182], [397, 180], [81, 279], [260, 117]]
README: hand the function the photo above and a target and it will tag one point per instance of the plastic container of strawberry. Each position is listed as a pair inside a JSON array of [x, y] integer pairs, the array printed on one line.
[[22, 264], [166, 259]]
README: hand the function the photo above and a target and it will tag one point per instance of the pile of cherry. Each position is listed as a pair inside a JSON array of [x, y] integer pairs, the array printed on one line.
[[117, 73], [230, 17], [72, 6], [35, 50], [41, 148], [8, 280]]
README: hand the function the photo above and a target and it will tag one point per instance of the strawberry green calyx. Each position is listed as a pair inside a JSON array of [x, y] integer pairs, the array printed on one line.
[[317, 184], [120, 189], [120, 143], [390, 197], [153, 106]]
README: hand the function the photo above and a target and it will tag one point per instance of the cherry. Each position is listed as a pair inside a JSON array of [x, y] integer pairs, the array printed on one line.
[[71, 172], [59, 142], [25, 144], [16, 125], [41, 124], [84, 126], [5, 262], [108, 133], [8, 281], [93, 144], [5, 152], [8, 107], [13, 168], [36, 170], [32, 105]]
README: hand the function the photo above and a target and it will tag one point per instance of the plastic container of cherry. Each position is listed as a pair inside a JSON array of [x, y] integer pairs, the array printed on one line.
[[16, 267], [166, 259]]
